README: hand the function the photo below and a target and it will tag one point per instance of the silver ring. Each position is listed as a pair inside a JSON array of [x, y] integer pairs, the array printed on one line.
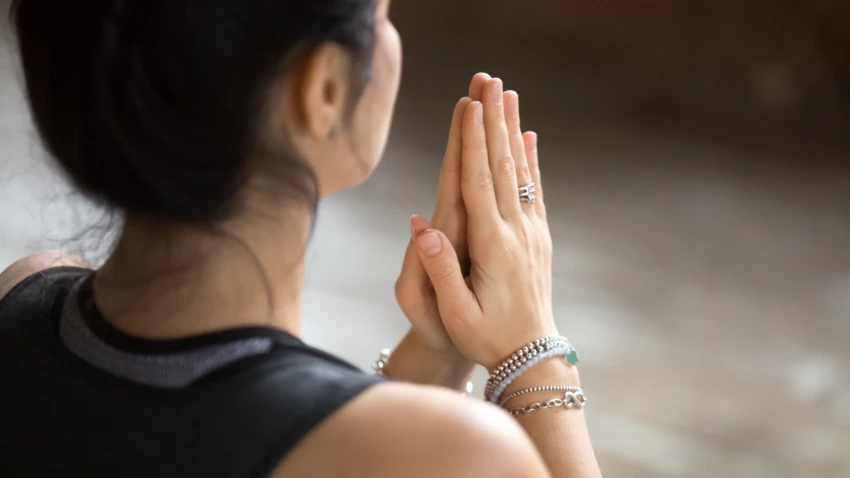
[[526, 193]]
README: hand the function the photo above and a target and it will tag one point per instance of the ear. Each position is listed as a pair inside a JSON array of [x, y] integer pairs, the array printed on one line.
[[323, 91]]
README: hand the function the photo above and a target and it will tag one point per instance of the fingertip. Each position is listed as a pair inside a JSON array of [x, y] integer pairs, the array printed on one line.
[[530, 138], [417, 225], [463, 103], [511, 99], [475, 111], [495, 88], [476, 87]]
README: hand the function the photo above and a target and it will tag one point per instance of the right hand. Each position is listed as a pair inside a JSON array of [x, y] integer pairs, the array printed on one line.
[[507, 300]]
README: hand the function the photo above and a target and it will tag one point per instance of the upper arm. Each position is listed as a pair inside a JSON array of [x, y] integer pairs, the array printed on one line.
[[37, 262], [417, 432]]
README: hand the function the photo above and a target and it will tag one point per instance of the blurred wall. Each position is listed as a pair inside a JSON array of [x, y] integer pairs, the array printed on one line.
[[668, 34], [787, 54]]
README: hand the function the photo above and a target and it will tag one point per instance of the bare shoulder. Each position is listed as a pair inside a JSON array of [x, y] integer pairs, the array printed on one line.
[[33, 263], [405, 430]]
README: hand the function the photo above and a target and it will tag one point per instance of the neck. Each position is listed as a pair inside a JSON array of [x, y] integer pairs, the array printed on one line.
[[165, 282]]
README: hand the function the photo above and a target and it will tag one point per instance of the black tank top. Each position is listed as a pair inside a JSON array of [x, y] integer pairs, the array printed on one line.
[[80, 398]]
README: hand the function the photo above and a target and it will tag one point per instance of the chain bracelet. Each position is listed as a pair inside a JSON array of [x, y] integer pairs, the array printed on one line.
[[571, 400], [537, 389]]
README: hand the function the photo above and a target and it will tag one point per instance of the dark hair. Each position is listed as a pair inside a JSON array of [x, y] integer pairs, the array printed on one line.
[[157, 106]]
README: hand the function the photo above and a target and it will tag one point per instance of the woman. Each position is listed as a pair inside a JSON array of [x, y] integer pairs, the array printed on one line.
[[215, 127]]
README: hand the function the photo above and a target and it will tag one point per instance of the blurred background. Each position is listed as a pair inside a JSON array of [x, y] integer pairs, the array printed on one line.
[[696, 163]]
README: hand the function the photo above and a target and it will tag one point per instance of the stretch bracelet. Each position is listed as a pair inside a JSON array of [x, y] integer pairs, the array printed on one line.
[[380, 364], [537, 389], [558, 351], [571, 400], [519, 358], [524, 359]]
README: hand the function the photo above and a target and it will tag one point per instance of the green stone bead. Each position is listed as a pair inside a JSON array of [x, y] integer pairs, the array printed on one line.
[[572, 358]]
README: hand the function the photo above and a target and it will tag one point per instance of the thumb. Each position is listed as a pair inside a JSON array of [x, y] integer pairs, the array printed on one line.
[[441, 263]]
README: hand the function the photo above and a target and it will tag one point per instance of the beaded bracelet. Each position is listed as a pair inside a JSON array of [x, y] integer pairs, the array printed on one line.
[[558, 351], [524, 359], [380, 364], [519, 361]]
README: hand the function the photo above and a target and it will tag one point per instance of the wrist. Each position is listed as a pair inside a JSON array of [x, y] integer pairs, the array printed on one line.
[[413, 361]]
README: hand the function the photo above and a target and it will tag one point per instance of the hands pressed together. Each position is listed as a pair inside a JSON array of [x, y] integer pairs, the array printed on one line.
[[476, 283]]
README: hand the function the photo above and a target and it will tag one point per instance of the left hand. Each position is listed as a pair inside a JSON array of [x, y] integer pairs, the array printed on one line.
[[413, 290], [427, 339]]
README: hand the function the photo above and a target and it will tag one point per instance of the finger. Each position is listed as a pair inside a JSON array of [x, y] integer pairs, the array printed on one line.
[[517, 143], [530, 140], [499, 151], [413, 278], [454, 298], [476, 178], [448, 194], [476, 87]]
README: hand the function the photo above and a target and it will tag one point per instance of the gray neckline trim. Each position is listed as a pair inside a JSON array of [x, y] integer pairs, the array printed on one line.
[[172, 371]]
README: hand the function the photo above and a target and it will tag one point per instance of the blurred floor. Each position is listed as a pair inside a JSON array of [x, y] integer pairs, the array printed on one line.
[[702, 265]]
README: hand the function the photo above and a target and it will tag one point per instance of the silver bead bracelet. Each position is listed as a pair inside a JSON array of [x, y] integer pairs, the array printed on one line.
[[525, 358], [380, 364]]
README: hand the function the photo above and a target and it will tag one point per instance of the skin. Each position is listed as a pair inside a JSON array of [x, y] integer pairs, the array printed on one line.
[[458, 285]]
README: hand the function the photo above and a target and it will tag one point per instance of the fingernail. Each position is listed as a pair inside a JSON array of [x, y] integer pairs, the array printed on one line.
[[412, 229], [430, 244], [479, 113], [496, 91], [512, 106], [534, 141]]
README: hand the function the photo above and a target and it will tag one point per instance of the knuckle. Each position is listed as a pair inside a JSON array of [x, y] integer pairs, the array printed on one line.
[[444, 273], [476, 143], [541, 209], [506, 165], [526, 231], [525, 173], [483, 180], [506, 246]]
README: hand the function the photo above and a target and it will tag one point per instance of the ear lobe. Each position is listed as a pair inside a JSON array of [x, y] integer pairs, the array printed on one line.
[[322, 92]]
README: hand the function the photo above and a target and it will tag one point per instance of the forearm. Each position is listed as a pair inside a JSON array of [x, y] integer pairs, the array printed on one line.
[[412, 361], [560, 434]]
